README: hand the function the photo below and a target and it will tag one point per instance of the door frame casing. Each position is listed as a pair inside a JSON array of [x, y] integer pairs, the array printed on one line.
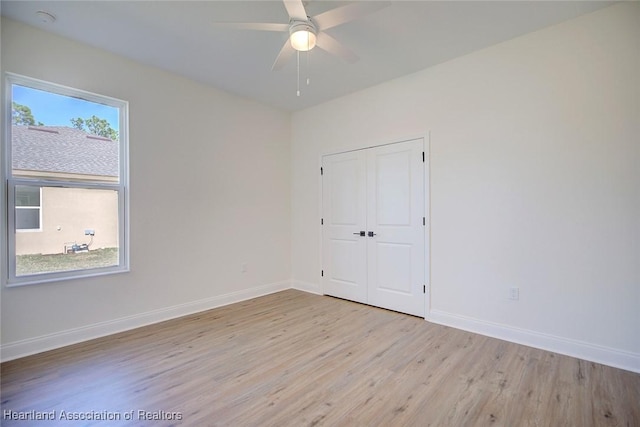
[[426, 145]]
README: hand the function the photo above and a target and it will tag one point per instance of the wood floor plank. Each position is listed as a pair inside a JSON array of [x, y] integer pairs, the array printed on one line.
[[296, 359]]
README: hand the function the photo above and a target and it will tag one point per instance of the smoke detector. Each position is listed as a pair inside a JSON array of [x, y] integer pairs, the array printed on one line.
[[45, 17]]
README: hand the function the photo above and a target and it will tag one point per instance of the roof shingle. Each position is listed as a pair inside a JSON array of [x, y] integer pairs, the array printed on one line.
[[63, 149]]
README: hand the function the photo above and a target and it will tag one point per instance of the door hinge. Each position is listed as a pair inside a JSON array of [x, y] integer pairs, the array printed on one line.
[[321, 171], [423, 157], [424, 220], [322, 273], [424, 289]]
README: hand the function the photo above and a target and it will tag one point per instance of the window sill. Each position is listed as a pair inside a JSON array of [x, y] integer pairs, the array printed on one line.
[[37, 279]]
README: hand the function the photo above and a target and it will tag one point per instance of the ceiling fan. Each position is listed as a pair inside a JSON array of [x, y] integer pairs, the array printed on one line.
[[306, 32]]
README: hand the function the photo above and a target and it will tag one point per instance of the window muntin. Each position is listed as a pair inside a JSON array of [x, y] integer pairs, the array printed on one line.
[[77, 166]]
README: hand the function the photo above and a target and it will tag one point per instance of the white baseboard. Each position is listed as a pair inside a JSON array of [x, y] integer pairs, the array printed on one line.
[[582, 350], [312, 288], [39, 344]]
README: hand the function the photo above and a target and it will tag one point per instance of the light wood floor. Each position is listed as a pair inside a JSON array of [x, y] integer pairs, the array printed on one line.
[[296, 359]]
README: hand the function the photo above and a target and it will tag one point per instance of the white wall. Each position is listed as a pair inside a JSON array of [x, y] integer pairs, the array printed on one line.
[[535, 183], [210, 190]]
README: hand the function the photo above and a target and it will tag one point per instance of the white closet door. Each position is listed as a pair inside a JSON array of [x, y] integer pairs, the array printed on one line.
[[395, 210], [373, 246], [344, 251]]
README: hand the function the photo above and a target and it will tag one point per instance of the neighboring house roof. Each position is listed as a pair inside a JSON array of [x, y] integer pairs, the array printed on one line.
[[63, 149]]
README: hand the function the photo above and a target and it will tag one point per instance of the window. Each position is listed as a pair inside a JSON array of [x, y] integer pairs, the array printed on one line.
[[28, 213], [66, 176]]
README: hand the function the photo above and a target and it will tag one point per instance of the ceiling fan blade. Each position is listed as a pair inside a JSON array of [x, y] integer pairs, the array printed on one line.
[[331, 45], [259, 26], [340, 15], [284, 55], [295, 9]]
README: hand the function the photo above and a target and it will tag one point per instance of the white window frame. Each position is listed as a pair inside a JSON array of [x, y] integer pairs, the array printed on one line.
[[10, 183]]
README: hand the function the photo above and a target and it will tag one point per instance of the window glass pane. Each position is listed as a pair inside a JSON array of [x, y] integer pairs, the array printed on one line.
[[27, 218], [27, 196], [79, 231], [63, 137]]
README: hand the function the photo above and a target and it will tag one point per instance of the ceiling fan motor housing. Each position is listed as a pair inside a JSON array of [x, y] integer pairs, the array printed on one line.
[[302, 35]]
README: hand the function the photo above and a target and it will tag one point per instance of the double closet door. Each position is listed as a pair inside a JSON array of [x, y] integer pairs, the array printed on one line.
[[373, 232]]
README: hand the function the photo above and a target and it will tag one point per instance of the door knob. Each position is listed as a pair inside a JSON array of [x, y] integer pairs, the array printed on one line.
[[359, 234], [371, 234]]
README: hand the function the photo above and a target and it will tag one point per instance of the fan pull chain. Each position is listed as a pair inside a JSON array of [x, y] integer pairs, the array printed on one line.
[[298, 58], [308, 53], [308, 79]]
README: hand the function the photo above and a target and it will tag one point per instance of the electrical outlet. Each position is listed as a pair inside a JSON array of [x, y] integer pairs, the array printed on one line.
[[243, 267], [514, 294]]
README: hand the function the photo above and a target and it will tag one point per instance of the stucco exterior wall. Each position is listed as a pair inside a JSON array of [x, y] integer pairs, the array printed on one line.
[[66, 214]]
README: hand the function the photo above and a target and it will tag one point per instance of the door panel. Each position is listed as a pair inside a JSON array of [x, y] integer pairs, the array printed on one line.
[[393, 185], [343, 258], [394, 267], [344, 191], [395, 208], [344, 213]]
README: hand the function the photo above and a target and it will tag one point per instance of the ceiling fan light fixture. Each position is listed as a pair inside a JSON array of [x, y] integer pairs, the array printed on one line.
[[302, 37]]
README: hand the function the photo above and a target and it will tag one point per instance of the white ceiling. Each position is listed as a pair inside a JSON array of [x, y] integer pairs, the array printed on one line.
[[400, 39]]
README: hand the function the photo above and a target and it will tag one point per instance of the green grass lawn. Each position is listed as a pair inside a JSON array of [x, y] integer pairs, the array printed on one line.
[[35, 264]]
